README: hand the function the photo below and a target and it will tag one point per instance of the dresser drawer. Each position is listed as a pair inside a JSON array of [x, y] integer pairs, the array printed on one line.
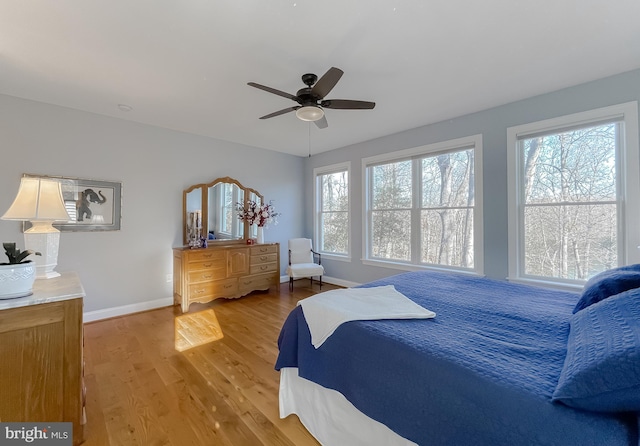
[[264, 258], [206, 275], [263, 268], [199, 255], [264, 249], [262, 281], [199, 291], [217, 265], [225, 287]]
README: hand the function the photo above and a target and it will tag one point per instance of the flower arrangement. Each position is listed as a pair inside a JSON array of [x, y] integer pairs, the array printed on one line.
[[260, 214]]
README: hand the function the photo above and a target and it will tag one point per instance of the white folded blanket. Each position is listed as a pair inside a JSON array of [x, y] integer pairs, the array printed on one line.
[[325, 312]]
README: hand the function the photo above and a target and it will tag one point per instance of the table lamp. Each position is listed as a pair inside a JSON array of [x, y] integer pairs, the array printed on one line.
[[39, 201]]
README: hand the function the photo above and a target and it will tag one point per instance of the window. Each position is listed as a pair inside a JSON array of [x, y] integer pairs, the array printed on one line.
[[391, 209], [228, 218], [332, 222], [222, 204], [446, 211], [570, 178], [423, 206]]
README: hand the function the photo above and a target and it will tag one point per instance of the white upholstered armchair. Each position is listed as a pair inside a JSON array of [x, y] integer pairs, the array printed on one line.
[[302, 261]]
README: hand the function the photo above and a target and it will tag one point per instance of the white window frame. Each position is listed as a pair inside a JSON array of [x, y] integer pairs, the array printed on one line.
[[628, 178], [317, 194], [474, 142]]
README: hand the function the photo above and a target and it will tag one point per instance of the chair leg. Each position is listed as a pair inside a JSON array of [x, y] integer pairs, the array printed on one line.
[[290, 283], [311, 281], [320, 282]]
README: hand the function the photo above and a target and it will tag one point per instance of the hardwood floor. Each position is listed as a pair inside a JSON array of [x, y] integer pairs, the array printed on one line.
[[142, 391]]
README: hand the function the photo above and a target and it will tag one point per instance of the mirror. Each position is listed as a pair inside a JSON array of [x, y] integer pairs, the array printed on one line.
[[210, 211]]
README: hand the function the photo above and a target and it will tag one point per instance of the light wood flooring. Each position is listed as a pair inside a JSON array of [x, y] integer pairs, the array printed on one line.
[[142, 391]]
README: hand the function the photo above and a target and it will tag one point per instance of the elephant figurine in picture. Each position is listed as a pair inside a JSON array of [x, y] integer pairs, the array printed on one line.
[[83, 211]]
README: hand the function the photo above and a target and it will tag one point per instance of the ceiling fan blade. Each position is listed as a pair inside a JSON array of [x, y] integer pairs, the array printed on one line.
[[279, 112], [326, 83], [322, 123], [274, 91], [347, 104]]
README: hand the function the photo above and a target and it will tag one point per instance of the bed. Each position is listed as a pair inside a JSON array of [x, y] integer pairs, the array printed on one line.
[[500, 364]]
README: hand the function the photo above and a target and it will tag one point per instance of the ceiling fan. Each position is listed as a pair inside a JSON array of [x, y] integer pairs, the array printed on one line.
[[311, 99]]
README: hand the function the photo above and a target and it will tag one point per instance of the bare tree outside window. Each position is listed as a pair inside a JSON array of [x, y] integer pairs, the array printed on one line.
[[570, 202], [447, 209], [334, 212], [444, 185], [391, 205]]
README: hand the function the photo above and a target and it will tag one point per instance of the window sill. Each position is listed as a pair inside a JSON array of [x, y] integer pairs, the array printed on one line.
[[572, 287], [327, 256], [412, 267]]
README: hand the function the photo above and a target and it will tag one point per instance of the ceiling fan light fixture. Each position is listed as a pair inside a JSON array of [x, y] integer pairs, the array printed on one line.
[[309, 113]]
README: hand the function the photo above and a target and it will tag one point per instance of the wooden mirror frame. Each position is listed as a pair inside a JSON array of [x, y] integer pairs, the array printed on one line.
[[204, 187]]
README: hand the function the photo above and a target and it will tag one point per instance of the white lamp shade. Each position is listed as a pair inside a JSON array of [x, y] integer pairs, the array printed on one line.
[[309, 113], [38, 199]]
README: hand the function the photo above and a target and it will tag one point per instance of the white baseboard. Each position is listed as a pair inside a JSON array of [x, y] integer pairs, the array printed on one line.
[[107, 313], [327, 279], [92, 316], [339, 282]]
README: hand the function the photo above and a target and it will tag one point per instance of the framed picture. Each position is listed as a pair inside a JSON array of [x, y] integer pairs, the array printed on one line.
[[92, 205]]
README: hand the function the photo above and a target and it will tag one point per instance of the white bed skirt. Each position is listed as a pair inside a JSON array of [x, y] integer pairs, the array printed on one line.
[[330, 418]]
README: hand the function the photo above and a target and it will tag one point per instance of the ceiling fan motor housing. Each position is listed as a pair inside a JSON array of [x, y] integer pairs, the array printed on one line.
[[306, 97]]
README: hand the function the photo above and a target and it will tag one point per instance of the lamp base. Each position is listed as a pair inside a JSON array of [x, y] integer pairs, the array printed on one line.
[[46, 274], [45, 239]]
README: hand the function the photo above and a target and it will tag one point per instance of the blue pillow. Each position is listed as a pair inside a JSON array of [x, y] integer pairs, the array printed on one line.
[[601, 371], [608, 283]]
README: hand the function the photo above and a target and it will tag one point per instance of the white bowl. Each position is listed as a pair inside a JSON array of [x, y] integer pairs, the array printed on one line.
[[17, 280]]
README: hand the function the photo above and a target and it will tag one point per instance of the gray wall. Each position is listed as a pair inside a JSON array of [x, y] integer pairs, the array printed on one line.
[[492, 124], [130, 266]]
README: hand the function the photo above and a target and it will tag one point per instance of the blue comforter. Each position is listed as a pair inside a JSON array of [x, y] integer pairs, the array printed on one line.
[[481, 373]]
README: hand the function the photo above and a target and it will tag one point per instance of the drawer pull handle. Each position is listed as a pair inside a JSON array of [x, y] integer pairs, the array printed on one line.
[[207, 265], [264, 249], [207, 256], [263, 267], [263, 258], [248, 282], [207, 276], [226, 287], [198, 291]]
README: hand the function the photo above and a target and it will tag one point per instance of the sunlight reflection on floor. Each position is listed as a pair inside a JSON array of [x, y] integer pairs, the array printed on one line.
[[195, 329]]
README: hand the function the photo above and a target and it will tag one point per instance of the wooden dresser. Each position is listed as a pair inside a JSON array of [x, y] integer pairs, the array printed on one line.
[[41, 378], [223, 270]]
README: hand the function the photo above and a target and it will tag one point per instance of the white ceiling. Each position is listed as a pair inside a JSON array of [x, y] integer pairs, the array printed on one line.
[[185, 64]]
